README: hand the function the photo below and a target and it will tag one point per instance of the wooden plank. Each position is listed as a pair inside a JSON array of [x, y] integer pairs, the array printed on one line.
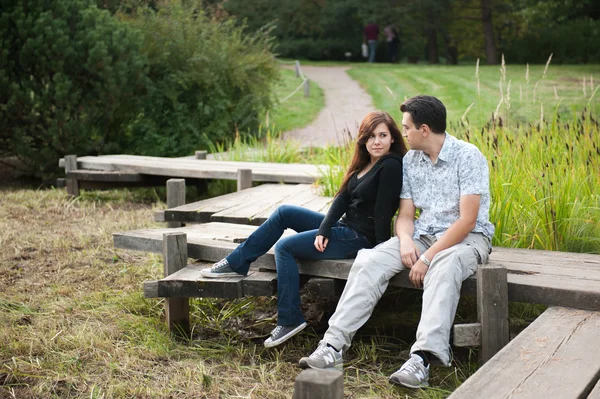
[[492, 310], [72, 184], [557, 356], [213, 241], [244, 179], [104, 176], [202, 211], [319, 384], [188, 282], [245, 212], [595, 394], [467, 335], [175, 197], [202, 169], [175, 254], [260, 284]]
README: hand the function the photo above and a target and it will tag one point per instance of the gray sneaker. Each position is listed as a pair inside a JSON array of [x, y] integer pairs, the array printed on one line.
[[219, 269], [325, 357], [412, 374], [282, 333]]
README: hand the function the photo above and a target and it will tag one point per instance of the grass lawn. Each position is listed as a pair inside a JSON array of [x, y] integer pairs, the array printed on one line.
[[296, 111], [523, 93], [74, 323]]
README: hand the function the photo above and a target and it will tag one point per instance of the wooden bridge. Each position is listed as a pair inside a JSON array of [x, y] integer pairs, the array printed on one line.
[[557, 356]]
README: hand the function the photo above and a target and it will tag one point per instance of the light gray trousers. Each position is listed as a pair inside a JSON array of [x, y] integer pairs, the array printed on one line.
[[369, 278]]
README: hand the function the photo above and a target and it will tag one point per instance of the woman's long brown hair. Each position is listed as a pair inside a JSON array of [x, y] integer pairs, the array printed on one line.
[[361, 157]]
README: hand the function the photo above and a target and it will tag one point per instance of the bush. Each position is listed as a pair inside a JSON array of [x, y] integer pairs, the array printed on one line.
[[71, 78], [209, 80], [573, 42]]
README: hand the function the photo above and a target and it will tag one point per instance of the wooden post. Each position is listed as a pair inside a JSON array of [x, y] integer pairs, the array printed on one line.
[[492, 310], [175, 254], [306, 88], [201, 154], [244, 179], [175, 197], [297, 67], [72, 184], [319, 384]]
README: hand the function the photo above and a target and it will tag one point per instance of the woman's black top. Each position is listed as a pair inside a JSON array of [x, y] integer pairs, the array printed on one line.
[[369, 202]]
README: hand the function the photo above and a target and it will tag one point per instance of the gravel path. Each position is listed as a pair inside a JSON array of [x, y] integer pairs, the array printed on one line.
[[346, 103]]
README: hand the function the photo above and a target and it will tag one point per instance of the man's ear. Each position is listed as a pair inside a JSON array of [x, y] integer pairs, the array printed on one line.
[[426, 130]]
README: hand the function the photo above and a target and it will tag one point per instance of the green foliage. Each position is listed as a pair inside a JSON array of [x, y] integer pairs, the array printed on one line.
[[209, 79], [71, 77], [573, 42]]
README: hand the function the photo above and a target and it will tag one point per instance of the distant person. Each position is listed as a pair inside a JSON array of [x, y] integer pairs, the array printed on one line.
[[371, 35], [368, 197], [448, 181], [392, 38]]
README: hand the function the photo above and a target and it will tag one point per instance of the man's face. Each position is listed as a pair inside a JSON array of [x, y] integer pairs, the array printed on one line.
[[413, 136]]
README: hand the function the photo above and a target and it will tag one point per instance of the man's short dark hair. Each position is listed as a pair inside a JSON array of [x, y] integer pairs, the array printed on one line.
[[426, 110]]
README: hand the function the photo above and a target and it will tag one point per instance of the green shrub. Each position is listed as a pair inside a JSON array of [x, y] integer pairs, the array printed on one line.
[[71, 77], [209, 80], [574, 42]]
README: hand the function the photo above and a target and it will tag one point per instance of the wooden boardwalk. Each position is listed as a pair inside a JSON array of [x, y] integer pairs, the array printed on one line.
[[197, 168], [249, 206], [545, 277]]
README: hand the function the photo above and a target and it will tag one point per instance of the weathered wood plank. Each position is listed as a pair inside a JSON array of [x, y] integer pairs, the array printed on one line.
[[175, 255], [561, 289], [203, 169], [244, 179], [175, 197], [104, 176], [72, 184], [557, 356], [319, 384], [492, 309], [467, 335], [201, 211], [260, 284], [595, 394], [245, 212]]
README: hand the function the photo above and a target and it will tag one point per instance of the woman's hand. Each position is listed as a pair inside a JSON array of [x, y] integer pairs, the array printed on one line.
[[321, 243]]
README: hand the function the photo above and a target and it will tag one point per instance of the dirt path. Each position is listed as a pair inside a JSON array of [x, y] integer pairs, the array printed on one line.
[[346, 103]]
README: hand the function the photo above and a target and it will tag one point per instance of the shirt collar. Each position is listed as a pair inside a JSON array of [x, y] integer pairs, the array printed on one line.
[[446, 150]]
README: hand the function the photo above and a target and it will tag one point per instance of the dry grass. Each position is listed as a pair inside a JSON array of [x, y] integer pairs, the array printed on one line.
[[74, 324]]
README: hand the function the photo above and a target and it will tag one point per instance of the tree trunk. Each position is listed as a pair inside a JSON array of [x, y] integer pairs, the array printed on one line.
[[432, 46], [488, 32]]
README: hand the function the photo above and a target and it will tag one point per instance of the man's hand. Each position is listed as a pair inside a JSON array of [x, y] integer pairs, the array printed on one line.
[[321, 243], [409, 253], [417, 273]]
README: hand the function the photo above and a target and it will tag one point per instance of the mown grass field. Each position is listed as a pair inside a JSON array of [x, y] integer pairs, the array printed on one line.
[[524, 90], [74, 324]]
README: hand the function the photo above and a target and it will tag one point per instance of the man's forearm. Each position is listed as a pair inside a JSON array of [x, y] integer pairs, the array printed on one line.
[[405, 228]]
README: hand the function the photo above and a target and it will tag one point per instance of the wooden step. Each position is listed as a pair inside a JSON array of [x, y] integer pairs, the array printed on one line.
[[188, 282], [545, 277], [557, 356], [250, 206]]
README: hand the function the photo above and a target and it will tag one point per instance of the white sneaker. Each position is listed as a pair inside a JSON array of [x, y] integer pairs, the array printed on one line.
[[282, 333], [412, 374], [325, 357], [218, 270]]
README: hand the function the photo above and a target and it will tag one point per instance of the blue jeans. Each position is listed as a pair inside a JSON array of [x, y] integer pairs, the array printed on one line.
[[372, 50], [343, 243]]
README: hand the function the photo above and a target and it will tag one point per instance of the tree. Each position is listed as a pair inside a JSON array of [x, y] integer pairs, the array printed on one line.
[[491, 52], [71, 78]]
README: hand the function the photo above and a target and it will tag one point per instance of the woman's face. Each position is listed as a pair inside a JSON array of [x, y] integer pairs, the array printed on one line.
[[379, 142]]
